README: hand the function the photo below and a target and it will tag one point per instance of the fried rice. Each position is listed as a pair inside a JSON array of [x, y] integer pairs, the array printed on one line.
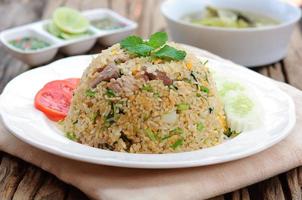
[[144, 105]]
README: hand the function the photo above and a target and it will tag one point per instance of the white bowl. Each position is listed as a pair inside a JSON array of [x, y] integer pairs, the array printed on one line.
[[248, 46], [70, 47]]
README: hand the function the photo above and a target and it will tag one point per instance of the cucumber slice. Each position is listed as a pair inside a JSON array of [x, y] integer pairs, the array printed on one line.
[[240, 105], [70, 20], [242, 111], [229, 86]]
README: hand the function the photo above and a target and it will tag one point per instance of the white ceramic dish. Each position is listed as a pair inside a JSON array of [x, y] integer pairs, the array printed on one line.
[[69, 47], [31, 126], [250, 46]]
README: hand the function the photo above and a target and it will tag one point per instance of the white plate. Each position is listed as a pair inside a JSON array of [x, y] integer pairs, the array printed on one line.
[[31, 126]]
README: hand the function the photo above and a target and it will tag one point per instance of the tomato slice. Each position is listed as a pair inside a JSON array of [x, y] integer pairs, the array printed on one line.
[[61, 85], [53, 103], [55, 97], [73, 81]]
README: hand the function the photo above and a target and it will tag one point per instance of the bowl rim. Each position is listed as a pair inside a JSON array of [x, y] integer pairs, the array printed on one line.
[[294, 20]]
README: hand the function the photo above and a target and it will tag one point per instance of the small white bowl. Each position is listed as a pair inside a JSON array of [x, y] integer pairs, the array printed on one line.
[[70, 47], [248, 46]]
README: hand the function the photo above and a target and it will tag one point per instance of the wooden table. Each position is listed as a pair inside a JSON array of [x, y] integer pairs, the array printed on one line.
[[21, 180]]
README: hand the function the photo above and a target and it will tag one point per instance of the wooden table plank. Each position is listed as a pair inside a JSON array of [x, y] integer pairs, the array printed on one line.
[[270, 189], [50, 7], [30, 183], [300, 176], [11, 173], [293, 184], [158, 21], [245, 194], [135, 10], [93, 4], [292, 63], [236, 195], [51, 189], [275, 71], [75, 194], [146, 19], [218, 198], [120, 6], [26, 12]]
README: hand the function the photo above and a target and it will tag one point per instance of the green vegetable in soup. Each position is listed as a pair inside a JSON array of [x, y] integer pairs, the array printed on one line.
[[228, 18], [107, 23]]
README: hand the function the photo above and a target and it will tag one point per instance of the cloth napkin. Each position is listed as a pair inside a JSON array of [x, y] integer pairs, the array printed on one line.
[[106, 183]]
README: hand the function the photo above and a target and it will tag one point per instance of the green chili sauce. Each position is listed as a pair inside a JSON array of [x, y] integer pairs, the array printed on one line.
[[29, 43], [107, 23]]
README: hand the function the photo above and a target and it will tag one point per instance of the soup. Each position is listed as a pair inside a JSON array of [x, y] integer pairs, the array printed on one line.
[[107, 23], [228, 18]]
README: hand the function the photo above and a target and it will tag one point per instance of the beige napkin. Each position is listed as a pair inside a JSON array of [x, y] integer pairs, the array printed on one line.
[[103, 182]]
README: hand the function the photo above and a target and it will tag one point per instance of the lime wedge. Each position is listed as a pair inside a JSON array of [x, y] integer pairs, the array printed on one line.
[[68, 36], [70, 20], [53, 29]]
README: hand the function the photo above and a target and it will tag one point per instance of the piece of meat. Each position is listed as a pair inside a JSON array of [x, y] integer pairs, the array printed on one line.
[[163, 76], [109, 72], [142, 75], [125, 84], [120, 60], [115, 85], [98, 70], [159, 76]]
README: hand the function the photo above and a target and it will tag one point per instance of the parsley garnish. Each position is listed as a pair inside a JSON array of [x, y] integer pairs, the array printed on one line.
[[131, 41], [158, 39], [140, 49], [170, 53], [154, 47]]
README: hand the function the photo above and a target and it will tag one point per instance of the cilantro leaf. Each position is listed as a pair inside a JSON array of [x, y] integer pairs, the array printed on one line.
[[140, 49], [158, 39], [170, 53], [131, 41], [137, 46]]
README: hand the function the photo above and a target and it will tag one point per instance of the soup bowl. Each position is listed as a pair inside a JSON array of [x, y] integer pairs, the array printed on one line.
[[255, 46]]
